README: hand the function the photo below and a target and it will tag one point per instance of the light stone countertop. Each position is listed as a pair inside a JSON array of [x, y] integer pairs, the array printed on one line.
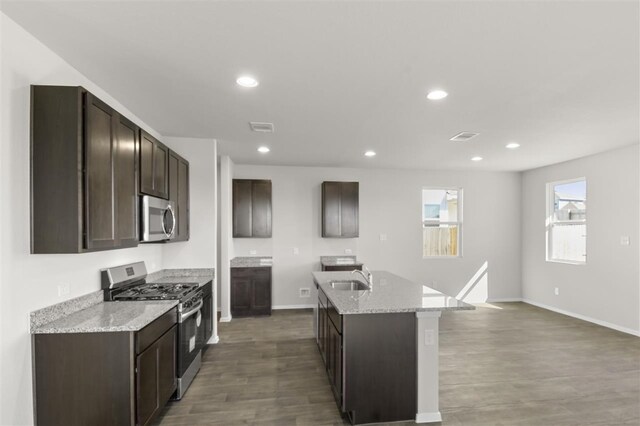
[[200, 276], [390, 294], [109, 317], [252, 262], [339, 261]]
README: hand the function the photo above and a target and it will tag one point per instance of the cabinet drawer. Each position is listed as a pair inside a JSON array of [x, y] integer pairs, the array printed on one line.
[[245, 272], [157, 328], [335, 317]]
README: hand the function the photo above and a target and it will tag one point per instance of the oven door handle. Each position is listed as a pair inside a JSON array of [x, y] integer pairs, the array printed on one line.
[[184, 317]]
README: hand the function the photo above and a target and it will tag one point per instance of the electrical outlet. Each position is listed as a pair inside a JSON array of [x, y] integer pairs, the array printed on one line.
[[383, 237], [624, 240], [296, 251], [429, 337], [348, 251], [556, 291], [305, 292], [253, 252], [63, 289]]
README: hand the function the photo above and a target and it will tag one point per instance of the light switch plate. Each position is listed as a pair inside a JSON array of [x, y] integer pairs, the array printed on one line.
[[383, 237], [63, 289], [305, 292], [253, 252], [624, 240], [296, 251], [348, 251]]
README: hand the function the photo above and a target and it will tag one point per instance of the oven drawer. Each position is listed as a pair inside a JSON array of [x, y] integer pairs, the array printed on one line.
[[153, 331]]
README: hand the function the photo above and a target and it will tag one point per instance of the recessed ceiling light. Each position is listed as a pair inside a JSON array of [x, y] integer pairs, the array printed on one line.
[[512, 145], [247, 81], [263, 149], [370, 153], [476, 158], [436, 95]]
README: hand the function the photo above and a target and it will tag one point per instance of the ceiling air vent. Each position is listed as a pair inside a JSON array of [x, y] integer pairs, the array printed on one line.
[[464, 136], [257, 126]]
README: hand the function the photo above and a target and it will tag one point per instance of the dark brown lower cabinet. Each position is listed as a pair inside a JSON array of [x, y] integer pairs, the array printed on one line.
[[250, 291], [371, 363], [207, 311], [108, 378]]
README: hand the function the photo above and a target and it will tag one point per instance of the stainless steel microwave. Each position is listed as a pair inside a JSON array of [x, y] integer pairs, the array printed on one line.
[[158, 219]]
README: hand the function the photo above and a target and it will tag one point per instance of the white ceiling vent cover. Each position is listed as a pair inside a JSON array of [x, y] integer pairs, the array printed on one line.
[[464, 136], [257, 126]]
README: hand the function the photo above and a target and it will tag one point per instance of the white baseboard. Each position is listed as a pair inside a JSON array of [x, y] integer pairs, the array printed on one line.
[[225, 319], [504, 299], [584, 318], [278, 307], [428, 417], [213, 340]]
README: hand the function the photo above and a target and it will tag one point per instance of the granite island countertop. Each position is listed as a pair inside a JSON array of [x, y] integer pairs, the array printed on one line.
[[252, 262], [391, 293], [109, 317]]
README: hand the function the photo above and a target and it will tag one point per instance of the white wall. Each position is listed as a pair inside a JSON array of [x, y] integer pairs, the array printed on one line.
[[226, 241], [390, 203], [607, 288], [29, 282]]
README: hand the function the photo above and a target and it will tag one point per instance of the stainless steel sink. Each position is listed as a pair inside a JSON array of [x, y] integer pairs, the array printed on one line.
[[350, 285]]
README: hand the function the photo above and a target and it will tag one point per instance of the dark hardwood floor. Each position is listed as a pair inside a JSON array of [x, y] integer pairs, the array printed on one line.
[[503, 364]]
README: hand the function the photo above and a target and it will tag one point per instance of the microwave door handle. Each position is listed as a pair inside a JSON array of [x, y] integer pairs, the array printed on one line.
[[169, 232]]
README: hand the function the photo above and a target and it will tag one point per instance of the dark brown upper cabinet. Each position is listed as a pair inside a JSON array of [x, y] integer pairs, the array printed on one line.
[[251, 208], [84, 159], [340, 202], [179, 194], [154, 166]]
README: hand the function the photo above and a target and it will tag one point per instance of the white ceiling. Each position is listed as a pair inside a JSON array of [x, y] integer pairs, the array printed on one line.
[[338, 78]]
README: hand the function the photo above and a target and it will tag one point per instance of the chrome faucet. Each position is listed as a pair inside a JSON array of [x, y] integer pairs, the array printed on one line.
[[368, 276]]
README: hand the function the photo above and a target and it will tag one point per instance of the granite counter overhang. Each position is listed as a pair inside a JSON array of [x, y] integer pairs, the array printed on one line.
[[252, 262], [339, 261], [391, 294], [109, 317], [199, 276]]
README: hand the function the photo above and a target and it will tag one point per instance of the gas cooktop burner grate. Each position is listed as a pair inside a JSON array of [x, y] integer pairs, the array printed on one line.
[[157, 291]]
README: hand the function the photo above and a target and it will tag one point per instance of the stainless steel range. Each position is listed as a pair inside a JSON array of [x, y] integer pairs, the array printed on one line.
[[128, 282]]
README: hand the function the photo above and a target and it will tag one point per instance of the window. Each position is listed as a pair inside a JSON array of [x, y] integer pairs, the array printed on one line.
[[441, 222], [567, 221]]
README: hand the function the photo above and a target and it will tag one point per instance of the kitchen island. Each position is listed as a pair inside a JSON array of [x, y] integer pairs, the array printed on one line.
[[380, 345]]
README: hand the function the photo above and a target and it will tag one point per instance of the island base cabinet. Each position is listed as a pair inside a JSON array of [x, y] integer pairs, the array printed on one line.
[[371, 363]]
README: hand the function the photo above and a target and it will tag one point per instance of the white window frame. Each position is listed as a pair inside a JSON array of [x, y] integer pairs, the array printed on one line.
[[550, 222], [458, 223]]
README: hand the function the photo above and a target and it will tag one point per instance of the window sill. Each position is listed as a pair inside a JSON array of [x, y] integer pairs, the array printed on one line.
[[567, 262], [442, 257]]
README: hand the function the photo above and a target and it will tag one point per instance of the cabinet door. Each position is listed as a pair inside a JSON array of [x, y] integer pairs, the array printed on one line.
[[261, 209], [349, 201], [322, 332], [331, 209], [182, 204], [160, 170], [207, 314], [335, 366], [242, 208], [179, 194], [154, 166], [99, 156], [261, 289], [147, 383], [167, 374], [126, 183], [241, 295]]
